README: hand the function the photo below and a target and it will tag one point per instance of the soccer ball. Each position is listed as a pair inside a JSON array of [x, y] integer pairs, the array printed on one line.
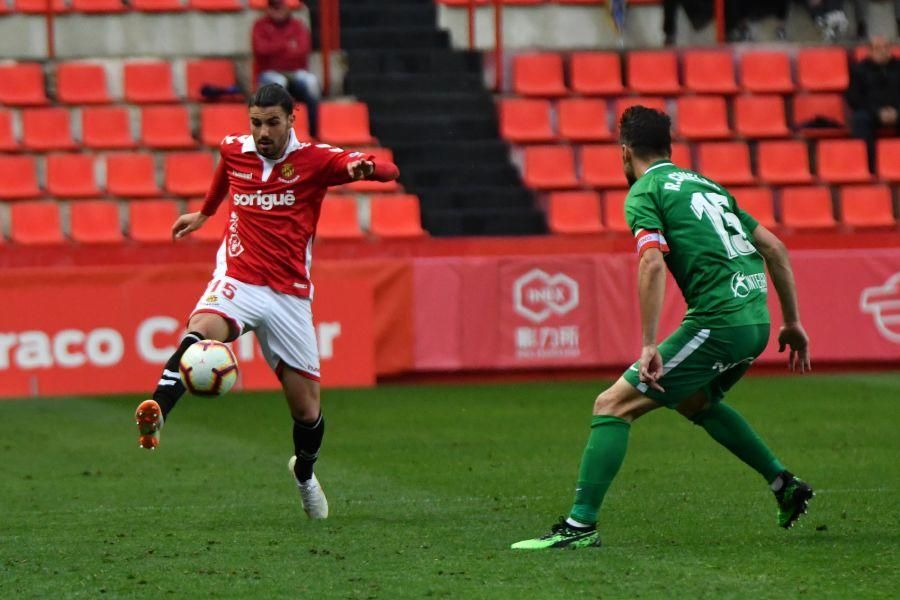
[[208, 368]]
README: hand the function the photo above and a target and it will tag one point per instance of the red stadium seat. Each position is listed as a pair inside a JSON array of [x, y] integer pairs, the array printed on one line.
[[709, 71], [188, 173], [596, 73], [22, 84], [219, 120], [166, 127], [758, 202], [151, 220], [345, 123], [653, 72], [809, 108], [95, 222], [131, 174], [263, 4], [681, 155], [822, 69], [35, 223], [158, 5], [867, 206], [47, 129], [19, 177], [395, 216], [339, 218], [727, 163], [550, 167], [760, 116], [147, 82], [539, 74], [217, 72], [71, 176], [842, 161], [106, 127], [574, 212], [807, 207], [8, 139], [614, 211], [214, 227], [99, 6], [601, 166], [702, 118], [783, 162], [216, 5], [765, 72], [301, 122], [81, 83], [33, 7], [583, 120], [524, 120], [622, 104], [365, 185], [888, 159]]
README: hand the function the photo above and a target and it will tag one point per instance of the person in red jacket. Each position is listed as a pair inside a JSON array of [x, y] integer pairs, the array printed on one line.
[[281, 45]]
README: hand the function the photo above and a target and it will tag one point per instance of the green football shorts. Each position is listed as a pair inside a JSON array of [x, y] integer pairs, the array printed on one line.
[[712, 360]]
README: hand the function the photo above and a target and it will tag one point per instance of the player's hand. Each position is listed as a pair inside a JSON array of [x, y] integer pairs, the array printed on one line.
[[185, 224], [360, 169], [651, 367], [795, 337]]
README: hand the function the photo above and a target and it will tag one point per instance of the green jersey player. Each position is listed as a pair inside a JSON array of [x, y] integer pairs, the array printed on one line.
[[717, 254]]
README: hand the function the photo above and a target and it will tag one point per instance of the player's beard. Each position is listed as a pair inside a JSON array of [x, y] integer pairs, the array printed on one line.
[[629, 174], [272, 150]]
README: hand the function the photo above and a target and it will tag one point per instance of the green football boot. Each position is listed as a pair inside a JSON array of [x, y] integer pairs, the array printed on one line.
[[793, 500], [563, 535]]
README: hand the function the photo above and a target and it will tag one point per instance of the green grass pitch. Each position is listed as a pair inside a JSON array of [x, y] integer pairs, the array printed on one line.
[[429, 485]]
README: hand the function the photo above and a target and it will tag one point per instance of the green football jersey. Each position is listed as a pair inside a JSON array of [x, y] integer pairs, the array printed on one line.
[[711, 251]]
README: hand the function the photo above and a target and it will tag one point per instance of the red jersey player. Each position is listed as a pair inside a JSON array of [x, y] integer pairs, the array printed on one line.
[[275, 185]]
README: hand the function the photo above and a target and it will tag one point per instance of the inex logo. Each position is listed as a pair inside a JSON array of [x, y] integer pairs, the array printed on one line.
[[537, 295], [884, 304], [265, 201]]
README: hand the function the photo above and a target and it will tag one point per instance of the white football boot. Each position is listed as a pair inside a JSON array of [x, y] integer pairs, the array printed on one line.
[[311, 495]]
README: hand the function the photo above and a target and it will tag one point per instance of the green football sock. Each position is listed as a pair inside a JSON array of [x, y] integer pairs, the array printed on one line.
[[602, 458], [728, 427]]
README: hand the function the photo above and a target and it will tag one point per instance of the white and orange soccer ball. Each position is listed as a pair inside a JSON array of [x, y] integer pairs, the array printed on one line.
[[208, 368]]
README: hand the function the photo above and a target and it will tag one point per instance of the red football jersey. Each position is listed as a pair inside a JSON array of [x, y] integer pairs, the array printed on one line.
[[274, 209]]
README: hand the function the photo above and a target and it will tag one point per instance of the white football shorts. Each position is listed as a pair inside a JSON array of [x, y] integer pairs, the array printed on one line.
[[282, 323]]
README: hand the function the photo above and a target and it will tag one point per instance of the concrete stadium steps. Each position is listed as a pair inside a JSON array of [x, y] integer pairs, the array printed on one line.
[[484, 222], [391, 130], [417, 61], [427, 153], [449, 104], [464, 175], [363, 83], [475, 197]]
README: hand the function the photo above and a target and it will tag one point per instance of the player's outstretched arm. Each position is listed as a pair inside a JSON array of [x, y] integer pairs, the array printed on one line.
[[792, 333], [651, 293], [185, 224], [369, 169]]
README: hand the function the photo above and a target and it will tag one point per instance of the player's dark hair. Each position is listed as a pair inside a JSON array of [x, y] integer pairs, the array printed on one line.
[[646, 131], [272, 94]]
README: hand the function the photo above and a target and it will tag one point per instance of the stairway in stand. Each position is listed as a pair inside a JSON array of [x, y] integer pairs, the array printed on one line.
[[429, 104]]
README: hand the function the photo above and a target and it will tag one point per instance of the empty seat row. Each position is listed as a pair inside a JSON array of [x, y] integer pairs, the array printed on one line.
[[118, 6], [144, 81], [129, 175], [657, 72], [100, 221], [804, 207], [528, 120], [551, 167], [167, 126]]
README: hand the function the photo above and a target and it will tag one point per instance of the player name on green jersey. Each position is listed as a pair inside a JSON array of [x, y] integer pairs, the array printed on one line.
[[708, 244]]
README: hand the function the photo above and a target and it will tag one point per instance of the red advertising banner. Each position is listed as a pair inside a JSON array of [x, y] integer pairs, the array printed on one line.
[[91, 330], [543, 312]]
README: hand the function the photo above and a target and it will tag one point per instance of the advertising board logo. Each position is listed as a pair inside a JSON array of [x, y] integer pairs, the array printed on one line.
[[883, 303], [538, 295]]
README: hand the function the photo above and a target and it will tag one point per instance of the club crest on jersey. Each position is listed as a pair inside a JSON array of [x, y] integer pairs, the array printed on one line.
[[288, 174]]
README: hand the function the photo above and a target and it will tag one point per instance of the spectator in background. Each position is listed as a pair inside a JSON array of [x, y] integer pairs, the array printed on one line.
[[281, 46], [874, 94]]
